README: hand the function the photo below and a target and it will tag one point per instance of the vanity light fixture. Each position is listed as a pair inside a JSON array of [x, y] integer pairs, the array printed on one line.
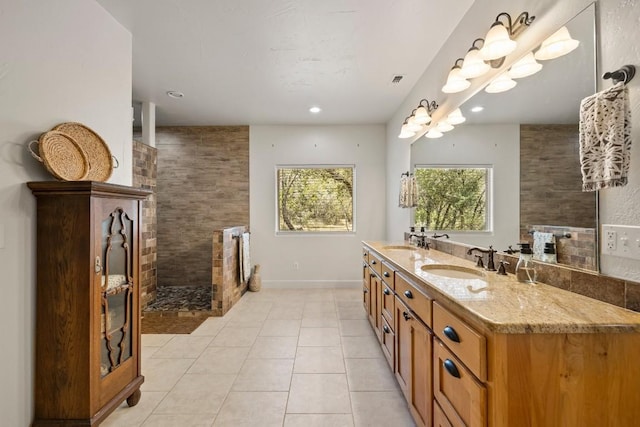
[[455, 117], [411, 123], [473, 65], [557, 44], [433, 134], [498, 43], [455, 81], [525, 67], [405, 132], [502, 83]]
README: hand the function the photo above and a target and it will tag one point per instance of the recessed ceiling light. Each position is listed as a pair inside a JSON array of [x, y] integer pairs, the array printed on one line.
[[175, 94], [315, 110], [477, 109]]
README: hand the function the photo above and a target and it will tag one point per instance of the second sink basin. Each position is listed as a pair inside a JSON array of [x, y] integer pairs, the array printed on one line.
[[452, 271]]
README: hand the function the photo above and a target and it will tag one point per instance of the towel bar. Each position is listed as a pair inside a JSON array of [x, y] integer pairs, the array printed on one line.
[[624, 74]]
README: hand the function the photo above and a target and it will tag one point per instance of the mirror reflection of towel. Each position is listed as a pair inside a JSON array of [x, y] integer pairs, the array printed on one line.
[[539, 239]]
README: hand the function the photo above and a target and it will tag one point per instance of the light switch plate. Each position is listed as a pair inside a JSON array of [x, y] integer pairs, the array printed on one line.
[[621, 241]]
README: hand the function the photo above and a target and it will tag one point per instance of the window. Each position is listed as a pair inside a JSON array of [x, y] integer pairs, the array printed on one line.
[[315, 198], [454, 198]]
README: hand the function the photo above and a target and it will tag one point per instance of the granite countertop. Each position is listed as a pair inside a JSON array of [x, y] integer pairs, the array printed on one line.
[[504, 305]]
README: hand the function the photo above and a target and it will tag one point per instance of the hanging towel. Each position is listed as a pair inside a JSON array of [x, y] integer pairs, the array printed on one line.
[[408, 192], [605, 138], [539, 239], [246, 258]]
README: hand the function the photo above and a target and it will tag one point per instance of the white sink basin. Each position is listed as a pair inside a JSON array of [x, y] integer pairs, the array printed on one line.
[[452, 271], [400, 247]]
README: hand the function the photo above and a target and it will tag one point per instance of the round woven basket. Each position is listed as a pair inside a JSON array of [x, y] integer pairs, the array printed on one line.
[[98, 153], [62, 156]]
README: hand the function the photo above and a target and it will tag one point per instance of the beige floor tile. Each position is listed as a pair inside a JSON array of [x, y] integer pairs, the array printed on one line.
[[320, 322], [347, 295], [366, 347], [192, 420], [274, 348], [319, 420], [319, 394], [319, 360], [319, 315], [220, 360], [352, 312], [163, 374], [252, 409], [355, 328], [210, 327], [155, 340], [370, 375], [319, 306], [372, 409], [148, 352], [230, 336], [264, 375], [290, 311], [183, 347], [280, 328], [328, 337], [124, 416], [319, 295], [197, 394]]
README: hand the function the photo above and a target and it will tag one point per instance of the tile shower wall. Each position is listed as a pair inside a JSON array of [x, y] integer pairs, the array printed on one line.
[[203, 185], [227, 287], [550, 178], [144, 176]]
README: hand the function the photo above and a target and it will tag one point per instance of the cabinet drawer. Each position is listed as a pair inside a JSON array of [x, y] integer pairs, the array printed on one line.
[[375, 262], [462, 398], [439, 418], [388, 304], [467, 344], [418, 302], [388, 275], [388, 343]]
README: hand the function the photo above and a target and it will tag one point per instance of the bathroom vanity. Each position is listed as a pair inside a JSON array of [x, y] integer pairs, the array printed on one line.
[[473, 348]]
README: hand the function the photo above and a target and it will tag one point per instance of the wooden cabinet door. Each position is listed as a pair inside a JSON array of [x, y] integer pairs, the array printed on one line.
[[421, 396], [375, 313], [403, 346], [366, 289]]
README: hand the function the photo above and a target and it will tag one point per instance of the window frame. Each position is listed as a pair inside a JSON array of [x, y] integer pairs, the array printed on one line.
[[279, 232], [489, 199]]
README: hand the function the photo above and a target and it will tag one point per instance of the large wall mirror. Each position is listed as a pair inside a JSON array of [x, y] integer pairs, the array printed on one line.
[[527, 141]]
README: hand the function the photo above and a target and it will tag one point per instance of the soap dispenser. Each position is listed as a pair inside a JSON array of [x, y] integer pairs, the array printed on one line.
[[525, 270]]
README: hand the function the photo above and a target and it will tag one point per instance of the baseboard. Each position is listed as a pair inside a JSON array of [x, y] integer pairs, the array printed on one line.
[[311, 284]]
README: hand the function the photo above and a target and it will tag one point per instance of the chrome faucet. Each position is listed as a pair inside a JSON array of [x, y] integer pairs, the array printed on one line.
[[421, 238], [490, 263]]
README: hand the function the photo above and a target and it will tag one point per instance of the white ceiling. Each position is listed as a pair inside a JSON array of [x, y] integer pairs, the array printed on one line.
[[268, 61]]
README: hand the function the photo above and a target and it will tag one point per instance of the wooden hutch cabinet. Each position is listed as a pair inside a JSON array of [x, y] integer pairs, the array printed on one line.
[[88, 309]]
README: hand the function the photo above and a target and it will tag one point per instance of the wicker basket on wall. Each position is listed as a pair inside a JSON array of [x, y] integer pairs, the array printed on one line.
[[98, 153], [62, 156]]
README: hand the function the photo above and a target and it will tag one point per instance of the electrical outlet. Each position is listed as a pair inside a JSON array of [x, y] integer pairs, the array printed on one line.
[[611, 240]]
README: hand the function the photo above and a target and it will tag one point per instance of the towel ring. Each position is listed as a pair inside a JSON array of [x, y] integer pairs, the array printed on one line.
[[624, 74]]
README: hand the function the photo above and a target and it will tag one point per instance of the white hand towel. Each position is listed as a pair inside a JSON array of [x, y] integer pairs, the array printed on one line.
[[539, 239], [246, 257], [605, 138]]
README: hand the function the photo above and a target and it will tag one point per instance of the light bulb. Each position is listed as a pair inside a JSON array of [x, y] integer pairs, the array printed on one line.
[[558, 44], [421, 116], [433, 133], [502, 83], [473, 65], [525, 67], [497, 43], [455, 82]]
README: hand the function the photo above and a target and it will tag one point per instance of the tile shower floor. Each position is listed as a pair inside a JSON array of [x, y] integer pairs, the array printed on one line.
[[277, 358]]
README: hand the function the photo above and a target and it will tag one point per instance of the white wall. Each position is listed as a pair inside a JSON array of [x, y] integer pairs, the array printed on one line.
[[495, 145], [324, 260], [59, 61]]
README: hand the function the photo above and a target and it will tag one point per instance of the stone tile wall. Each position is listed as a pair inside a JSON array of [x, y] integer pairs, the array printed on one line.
[[550, 178], [203, 185], [623, 293], [227, 287], [144, 176]]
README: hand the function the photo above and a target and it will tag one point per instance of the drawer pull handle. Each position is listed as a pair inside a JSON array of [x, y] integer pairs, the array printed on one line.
[[408, 294], [451, 368], [374, 262], [372, 275], [364, 255], [406, 315], [385, 274], [386, 329], [451, 333], [365, 291], [386, 291]]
